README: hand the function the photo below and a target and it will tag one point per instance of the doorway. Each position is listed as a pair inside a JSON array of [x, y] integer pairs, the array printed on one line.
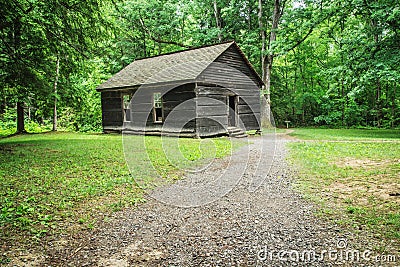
[[232, 110]]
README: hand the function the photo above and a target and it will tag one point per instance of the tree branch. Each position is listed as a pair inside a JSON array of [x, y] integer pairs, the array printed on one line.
[[302, 39], [158, 40]]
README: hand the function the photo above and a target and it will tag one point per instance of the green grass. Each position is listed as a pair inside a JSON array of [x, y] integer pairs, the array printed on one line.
[[53, 181], [7, 129], [352, 181], [346, 134]]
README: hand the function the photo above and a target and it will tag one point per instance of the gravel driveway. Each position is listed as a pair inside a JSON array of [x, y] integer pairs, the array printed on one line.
[[254, 222]]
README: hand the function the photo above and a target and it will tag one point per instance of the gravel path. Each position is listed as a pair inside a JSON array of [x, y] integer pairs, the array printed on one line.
[[245, 222]]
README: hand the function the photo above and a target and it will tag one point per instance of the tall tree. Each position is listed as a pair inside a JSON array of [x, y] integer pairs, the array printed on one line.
[[32, 32], [55, 93], [218, 20], [268, 54]]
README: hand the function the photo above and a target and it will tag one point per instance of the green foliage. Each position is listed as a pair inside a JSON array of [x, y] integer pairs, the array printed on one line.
[[335, 63], [33, 36], [349, 64]]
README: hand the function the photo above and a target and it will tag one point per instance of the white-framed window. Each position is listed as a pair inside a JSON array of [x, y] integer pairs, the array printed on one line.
[[126, 100], [158, 115]]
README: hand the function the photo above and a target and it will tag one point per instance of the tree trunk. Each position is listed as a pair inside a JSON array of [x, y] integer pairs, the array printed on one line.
[[218, 20], [55, 94], [374, 25], [144, 44], [267, 60], [378, 102], [342, 97], [262, 32], [249, 9], [20, 117], [393, 106], [16, 47], [265, 114]]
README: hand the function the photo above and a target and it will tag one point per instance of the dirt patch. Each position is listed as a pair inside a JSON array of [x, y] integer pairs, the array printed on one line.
[[27, 259], [10, 148], [362, 163], [286, 135], [367, 192]]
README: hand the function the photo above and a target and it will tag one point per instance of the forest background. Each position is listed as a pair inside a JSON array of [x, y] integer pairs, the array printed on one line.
[[325, 63]]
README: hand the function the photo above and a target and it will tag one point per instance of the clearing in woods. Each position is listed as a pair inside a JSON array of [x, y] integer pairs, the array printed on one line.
[[352, 175]]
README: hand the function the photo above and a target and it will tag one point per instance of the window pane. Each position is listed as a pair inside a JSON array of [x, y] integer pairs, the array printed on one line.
[[127, 100], [157, 100]]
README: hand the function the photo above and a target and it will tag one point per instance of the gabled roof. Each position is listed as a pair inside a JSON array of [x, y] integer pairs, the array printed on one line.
[[171, 67]]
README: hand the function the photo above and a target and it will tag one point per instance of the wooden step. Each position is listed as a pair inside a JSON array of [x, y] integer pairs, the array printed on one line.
[[236, 132]]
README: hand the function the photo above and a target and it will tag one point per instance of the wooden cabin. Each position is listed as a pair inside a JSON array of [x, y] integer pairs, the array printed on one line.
[[207, 91]]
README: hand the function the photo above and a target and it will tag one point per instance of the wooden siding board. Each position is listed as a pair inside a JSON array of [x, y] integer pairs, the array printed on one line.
[[220, 110], [243, 109], [110, 94], [250, 121], [111, 103], [233, 58], [112, 118], [231, 77], [212, 121], [210, 99]]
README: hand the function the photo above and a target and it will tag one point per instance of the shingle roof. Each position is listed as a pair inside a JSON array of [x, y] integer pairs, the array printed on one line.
[[177, 66]]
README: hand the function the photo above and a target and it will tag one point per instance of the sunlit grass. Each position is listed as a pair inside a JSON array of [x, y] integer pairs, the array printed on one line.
[[346, 134], [352, 181], [52, 179]]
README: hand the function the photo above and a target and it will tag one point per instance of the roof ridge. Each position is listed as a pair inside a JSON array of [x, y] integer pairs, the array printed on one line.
[[185, 50], [151, 69]]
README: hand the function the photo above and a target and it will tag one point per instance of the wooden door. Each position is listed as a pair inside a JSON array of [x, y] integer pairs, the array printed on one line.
[[232, 110]]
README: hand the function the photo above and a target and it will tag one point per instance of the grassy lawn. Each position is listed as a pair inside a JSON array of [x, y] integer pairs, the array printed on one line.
[[352, 181], [346, 134], [52, 182]]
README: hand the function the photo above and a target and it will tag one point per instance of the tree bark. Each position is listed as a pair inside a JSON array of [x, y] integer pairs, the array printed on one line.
[[374, 25], [267, 60], [218, 20], [378, 102], [393, 106], [20, 117], [343, 98], [20, 102], [55, 94], [265, 115], [249, 10], [262, 33]]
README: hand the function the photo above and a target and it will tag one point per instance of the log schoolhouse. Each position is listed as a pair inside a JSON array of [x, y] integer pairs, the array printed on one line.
[[207, 91]]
